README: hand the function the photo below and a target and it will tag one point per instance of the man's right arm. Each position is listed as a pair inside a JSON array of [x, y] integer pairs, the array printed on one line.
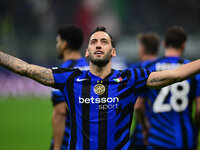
[[40, 74]]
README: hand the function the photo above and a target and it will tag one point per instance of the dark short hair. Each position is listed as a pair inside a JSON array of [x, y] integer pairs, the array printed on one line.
[[150, 41], [72, 34], [103, 29], [175, 37]]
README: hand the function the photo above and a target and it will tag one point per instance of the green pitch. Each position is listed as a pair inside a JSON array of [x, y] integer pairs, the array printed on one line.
[[25, 124]]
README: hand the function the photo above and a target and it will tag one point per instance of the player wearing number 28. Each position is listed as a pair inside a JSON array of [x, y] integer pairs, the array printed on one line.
[[172, 127]]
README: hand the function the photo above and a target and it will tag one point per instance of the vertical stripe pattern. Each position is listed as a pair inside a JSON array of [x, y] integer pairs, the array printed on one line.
[[70, 89], [86, 89]]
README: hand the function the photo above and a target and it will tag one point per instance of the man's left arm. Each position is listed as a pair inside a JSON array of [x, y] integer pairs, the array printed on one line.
[[163, 78]]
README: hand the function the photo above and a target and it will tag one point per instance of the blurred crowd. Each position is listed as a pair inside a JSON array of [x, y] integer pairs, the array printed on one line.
[[28, 27]]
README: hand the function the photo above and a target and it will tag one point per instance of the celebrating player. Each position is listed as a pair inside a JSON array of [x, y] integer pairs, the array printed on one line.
[[100, 100], [69, 41], [172, 127]]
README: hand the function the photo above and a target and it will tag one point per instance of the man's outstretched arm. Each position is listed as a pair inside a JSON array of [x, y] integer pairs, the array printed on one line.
[[163, 78], [37, 73]]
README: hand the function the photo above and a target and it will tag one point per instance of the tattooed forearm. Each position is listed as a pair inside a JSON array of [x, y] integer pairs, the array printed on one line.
[[40, 74], [156, 80], [12, 63]]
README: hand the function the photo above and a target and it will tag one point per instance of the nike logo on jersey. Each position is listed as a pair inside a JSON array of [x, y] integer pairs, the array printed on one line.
[[79, 80]]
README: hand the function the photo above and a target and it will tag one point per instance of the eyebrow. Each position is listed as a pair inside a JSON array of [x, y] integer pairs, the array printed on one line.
[[104, 39], [100, 39]]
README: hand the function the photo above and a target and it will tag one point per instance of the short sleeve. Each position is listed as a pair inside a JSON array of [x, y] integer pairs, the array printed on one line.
[[57, 96], [198, 85], [140, 77], [61, 75]]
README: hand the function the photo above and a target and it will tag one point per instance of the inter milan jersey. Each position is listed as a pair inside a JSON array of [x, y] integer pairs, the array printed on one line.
[[136, 136], [171, 121], [100, 109], [57, 97]]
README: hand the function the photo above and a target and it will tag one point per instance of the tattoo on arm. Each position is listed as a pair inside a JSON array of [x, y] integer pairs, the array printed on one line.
[[40, 74]]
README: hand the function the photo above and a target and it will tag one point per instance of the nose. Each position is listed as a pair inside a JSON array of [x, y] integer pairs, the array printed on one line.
[[98, 47]]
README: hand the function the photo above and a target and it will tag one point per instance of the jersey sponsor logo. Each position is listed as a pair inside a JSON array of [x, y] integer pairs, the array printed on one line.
[[79, 80], [99, 89], [104, 103], [98, 100]]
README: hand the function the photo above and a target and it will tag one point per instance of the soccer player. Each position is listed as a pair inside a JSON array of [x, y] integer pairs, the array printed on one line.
[[148, 47], [172, 127], [69, 40], [100, 100]]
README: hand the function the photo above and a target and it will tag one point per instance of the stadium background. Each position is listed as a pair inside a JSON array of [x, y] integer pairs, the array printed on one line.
[[28, 30]]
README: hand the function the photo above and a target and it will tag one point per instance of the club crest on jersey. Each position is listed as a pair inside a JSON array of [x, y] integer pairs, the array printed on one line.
[[99, 89], [118, 79]]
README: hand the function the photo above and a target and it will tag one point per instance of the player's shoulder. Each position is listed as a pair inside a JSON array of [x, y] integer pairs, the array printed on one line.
[[185, 61], [75, 63], [149, 63], [134, 73], [135, 65], [175, 59], [58, 70], [82, 61], [166, 63]]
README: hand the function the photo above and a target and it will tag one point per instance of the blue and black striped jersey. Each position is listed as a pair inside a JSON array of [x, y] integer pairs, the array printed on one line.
[[100, 109], [171, 122], [57, 97], [136, 136]]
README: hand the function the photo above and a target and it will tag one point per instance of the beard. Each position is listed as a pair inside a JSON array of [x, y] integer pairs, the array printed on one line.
[[100, 62]]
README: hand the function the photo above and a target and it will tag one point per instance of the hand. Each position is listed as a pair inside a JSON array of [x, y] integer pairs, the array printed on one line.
[[145, 134]]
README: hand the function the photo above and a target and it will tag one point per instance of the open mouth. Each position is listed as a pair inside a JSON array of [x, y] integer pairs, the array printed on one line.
[[98, 53]]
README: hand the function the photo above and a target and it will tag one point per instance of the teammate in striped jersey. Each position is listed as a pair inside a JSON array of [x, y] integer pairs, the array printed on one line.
[[69, 41], [100, 100], [148, 47], [172, 127]]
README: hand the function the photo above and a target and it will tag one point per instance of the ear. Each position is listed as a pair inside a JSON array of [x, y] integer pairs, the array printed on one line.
[[64, 44], [183, 46], [164, 44], [141, 49], [113, 52], [86, 53]]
